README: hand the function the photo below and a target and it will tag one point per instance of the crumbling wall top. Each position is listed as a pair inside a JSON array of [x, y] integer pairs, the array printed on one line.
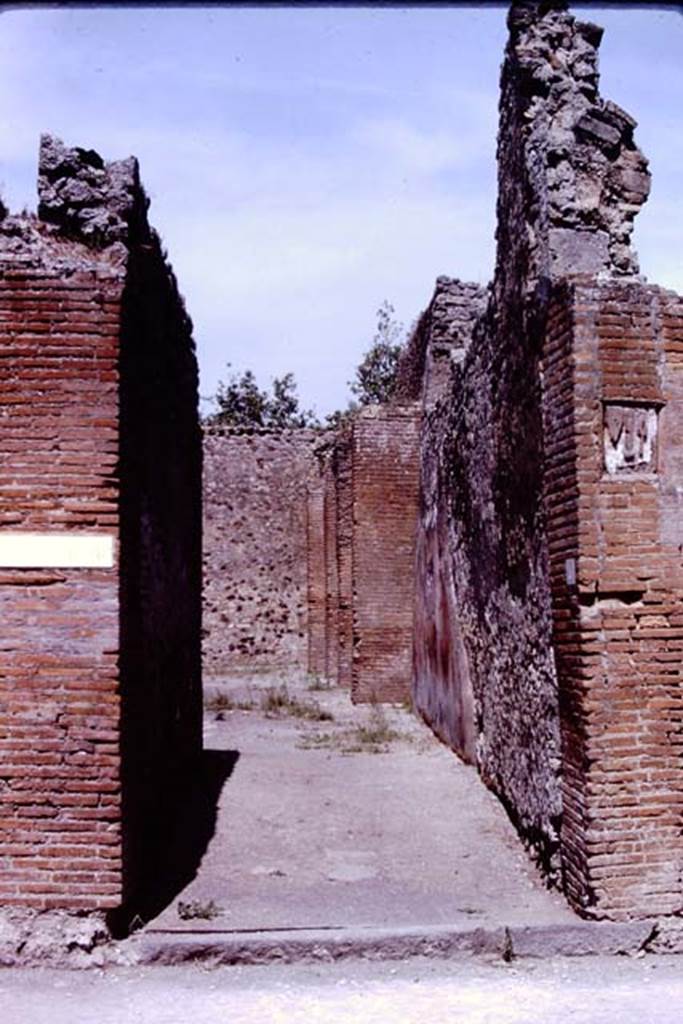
[[585, 178], [86, 198], [440, 339]]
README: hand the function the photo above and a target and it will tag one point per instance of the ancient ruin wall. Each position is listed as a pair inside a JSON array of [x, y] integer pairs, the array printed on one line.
[[60, 836], [385, 476], [613, 404], [160, 467], [442, 687], [70, 831], [259, 521], [570, 183], [439, 342], [342, 471]]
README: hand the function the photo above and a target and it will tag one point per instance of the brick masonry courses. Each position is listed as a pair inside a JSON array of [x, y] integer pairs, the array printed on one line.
[[507, 530], [614, 353], [554, 457], [309, 549], [60, 835], [385, 479], [99, 668]]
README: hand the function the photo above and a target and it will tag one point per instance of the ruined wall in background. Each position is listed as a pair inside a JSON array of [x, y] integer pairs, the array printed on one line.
[[439, 342], [385, 480], [79, 808], [263, 512], [442, 686], [342, 469], [613, 409]]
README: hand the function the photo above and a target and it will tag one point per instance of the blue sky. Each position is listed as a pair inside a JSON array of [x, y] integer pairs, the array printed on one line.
[[305, 164]]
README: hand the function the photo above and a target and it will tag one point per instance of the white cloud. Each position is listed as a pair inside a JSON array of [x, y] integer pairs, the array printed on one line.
[[304, 166]]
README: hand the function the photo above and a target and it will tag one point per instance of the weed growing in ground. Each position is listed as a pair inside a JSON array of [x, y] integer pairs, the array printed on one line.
[[317, 683], [198, 910], [371, 737], [376, 732], [220, 702], [278, 702]]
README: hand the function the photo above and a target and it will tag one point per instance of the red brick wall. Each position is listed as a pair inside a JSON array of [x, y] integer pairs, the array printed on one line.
[[385, 496], [344, 530], [331, 576], [314, 560], [100, 688], [60, 829], [614, 357]]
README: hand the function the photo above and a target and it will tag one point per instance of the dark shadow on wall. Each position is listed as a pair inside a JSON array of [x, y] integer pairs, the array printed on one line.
[[160, 556], [181, 840], [189, 830]]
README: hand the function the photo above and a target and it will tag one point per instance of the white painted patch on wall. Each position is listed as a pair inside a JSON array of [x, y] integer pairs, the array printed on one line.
[[630, 438], [56, 551], [570, 571]]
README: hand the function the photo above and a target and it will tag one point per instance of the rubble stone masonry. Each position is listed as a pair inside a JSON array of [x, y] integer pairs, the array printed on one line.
[[490, 677], [258, 520]]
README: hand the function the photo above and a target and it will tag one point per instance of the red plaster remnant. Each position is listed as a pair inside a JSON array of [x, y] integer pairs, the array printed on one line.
[[98, 375]]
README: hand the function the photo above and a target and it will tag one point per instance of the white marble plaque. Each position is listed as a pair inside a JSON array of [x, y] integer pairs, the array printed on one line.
[[56, 550], [630, 438]]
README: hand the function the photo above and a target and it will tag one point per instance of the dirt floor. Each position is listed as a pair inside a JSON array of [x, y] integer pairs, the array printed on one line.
[[335, 816]]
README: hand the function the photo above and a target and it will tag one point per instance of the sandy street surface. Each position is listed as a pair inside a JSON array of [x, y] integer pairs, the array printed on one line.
[[590, 990], [341, 815]]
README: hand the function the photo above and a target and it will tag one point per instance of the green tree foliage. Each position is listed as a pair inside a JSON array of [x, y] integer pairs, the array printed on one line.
[[376, 373], [241, 403]]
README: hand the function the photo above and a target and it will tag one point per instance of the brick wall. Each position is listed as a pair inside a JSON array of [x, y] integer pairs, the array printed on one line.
[[313, 557], [613, 409], [343, 482], [332, 621], [260, 517], [384, 495], [60, 819], [99, 670], [570, 182]]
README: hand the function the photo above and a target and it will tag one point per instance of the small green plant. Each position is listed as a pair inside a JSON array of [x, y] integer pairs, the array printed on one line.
[[320, 741], [198, 910], [376, 732], [371, 737], [218, 703], [317, 683], [278, 702]]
